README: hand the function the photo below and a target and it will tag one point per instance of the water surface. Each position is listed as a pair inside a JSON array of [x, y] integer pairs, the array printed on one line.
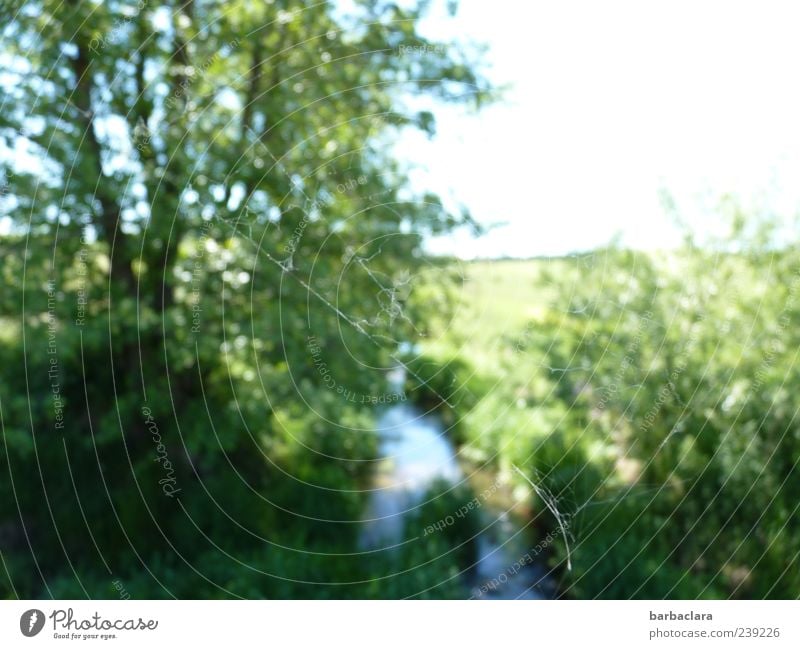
[[416, 453]]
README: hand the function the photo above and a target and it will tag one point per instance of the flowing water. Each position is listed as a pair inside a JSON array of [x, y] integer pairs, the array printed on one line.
[[416, 453]]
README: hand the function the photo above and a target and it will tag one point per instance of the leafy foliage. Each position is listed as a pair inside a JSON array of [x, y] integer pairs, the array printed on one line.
[[650, 396], [205, 215]]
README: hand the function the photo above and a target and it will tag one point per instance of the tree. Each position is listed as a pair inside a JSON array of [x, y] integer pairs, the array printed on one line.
[[209, 189]]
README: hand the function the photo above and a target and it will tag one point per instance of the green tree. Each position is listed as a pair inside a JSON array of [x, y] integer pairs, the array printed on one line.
[[209, 197]]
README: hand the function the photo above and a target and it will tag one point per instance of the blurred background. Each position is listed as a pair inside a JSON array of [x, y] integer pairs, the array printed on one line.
[[376, 299]]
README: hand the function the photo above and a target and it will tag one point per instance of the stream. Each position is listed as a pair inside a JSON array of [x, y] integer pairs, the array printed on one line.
[[415, 453]]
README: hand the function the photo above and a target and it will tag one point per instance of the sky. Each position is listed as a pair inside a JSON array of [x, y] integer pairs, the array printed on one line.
[[612, 105]]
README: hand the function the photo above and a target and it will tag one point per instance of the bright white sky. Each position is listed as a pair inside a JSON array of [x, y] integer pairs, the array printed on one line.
[[612, 102]]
